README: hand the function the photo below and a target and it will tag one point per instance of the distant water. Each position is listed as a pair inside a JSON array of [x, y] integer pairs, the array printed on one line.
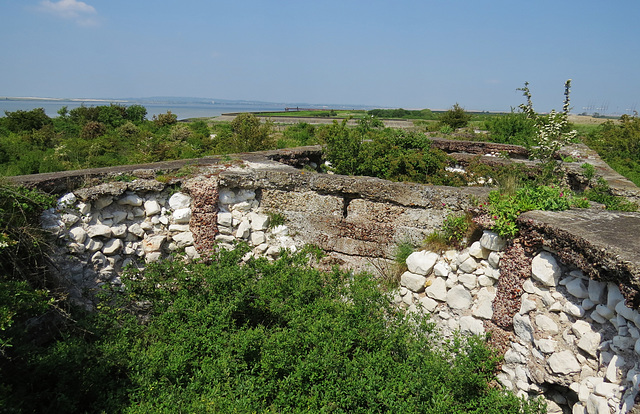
[[183, 111]]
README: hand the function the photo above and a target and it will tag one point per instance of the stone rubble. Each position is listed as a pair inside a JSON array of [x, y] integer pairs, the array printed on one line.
[[575, 341]]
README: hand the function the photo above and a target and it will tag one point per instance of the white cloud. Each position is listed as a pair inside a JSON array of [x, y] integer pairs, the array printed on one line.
[[79, 11]]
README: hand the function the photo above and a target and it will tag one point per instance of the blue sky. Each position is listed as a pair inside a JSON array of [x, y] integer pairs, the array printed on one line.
[[410, 54]]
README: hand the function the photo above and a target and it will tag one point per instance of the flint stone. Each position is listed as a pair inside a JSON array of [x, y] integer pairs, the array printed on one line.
[[67, 200], [93, 245], [119, 231], [437, 290], [545, 269], [471, 325], [494, 259], [421, 262], [626, 312], [605, 311], [588, 304], [611, 374], [576, 288], [179, 200], [563, 362], [84, 208], [491, 241], [99, 230], [69, 219], [413, 282], [459, 298]]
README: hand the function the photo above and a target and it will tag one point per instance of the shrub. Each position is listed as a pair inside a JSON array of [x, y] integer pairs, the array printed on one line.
[[165, 119], [455, 117], [249, 134], [514, 128]]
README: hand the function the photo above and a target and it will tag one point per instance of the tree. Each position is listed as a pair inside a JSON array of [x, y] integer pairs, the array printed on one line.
[[26, 121], [165, 119], [455, 117], [249, 134]]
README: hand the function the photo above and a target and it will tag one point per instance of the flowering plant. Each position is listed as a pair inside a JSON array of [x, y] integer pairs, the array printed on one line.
[[551, 130]]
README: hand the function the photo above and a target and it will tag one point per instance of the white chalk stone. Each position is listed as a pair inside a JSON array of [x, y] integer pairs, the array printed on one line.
[[259, 222], [151, 208], [441, 269], [545, 269], [576, 288], [523, 328], [597, 405], [183, 239], [413, 282], [471, 325], [589, 342], [257, 238], [459, 298], [421, 262], [468, 266], [563, 362], [494, 259], [546, 324], [130, 199], [546, 346], [613, 296], [437, 290], [102, 202], [470, 281], [179, 200], [428, 304], [112, 246], [99, 230], [244, 230], [476, 250], [78, 234], [573, 309], [182, 215], [492, 241], [153, 243]]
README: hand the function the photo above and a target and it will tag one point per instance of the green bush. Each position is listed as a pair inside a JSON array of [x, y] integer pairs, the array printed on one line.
[[263, 337], [504, 209], [513, 128], [455, 117]]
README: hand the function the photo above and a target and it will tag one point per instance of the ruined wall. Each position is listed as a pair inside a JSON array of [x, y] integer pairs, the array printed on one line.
[[561, 303]]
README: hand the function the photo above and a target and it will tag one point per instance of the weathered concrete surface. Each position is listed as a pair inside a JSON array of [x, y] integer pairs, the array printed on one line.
[[604, 244]]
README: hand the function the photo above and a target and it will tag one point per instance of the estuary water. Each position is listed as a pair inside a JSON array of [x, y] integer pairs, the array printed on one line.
[[182, 110]]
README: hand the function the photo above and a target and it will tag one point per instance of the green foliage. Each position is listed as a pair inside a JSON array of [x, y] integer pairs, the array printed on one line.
[[402, 251], [455, 228], [455, 117], [589, 170], [505, 208], [249, 134], [276, 219], [26, 121], [262, 337], [165, 119], [299, 134], [619, 145], [401, 113], [514, 128], [601, 193]]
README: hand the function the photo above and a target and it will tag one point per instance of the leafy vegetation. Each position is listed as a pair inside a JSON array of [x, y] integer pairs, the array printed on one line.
[[504, 208], [514, 128], [455, 228], [401, 113], [619, 145], [455, 117], [262, 337], [601, 193]]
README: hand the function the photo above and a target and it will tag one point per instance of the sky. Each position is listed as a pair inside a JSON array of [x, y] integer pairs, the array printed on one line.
[[408, 54]]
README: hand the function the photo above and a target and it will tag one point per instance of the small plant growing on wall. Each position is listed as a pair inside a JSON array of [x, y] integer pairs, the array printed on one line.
[[551, 130]]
